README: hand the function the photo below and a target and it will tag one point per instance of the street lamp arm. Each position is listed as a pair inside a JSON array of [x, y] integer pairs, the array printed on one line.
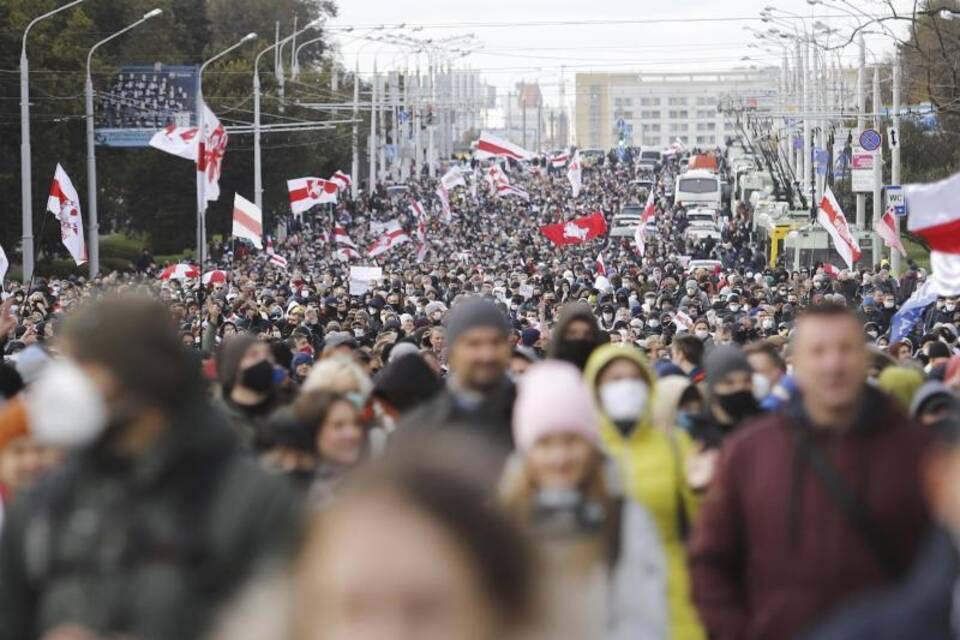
[[245, 39], [146, 17], [39, 18]]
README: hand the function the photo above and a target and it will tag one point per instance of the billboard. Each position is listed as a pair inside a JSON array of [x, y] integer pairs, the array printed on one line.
[[141, 100]]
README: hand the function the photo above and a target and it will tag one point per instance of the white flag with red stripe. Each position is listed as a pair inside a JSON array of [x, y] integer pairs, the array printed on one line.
[[393, 236], [495, 177], [4, 265], [935, 216], [831, 271], [416, 208], [346, 254], [306, 193], [179, 141], [342, 239], [830, 215], [342, 180], [601, 267], [453, 178], [510, 190], [886, 228], [490, 146], [273, 257], [444, 196], [640, 239], [575, 174], [64, 204], [649, 209], [213, 147], [559, 161], [247, 221]]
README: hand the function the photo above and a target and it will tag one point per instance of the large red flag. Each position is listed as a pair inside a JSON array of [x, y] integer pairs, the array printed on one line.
[[577, 230]]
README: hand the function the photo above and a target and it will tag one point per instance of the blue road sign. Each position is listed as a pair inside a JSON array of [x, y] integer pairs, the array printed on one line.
[[870, 139]]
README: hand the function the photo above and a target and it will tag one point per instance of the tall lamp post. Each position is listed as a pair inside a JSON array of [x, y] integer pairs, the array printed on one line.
[[257, 161], [94, 230], [201, 142], [26, 186]]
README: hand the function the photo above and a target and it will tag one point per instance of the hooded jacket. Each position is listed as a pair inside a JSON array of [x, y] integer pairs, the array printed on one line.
[[773, 551], [568, 313], [653, 464]]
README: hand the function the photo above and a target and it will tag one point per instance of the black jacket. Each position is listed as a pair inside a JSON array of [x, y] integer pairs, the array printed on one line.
[[148, 548]]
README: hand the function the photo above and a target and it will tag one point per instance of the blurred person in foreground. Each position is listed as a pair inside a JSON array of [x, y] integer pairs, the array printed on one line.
[[156, 517], [603, 568], [813, 505], [924, 605]]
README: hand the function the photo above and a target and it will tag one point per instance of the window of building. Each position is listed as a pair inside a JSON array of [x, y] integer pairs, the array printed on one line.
[[653, 127], [705, 114], [701, 139], [650, 115], [684, 139], [712, 139], [674, 102], [651, 141], [711, 126], [684, 114], [650, 102]]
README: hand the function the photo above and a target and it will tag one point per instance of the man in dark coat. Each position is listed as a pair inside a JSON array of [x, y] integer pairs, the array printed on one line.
[[156, 519], [479, 396], [812, 506]]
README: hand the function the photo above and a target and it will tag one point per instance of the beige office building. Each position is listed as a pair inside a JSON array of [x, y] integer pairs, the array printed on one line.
[[655, 109]]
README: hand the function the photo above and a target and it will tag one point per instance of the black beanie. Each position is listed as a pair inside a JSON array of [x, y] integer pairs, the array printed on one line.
[[723, 360], [472, 313]]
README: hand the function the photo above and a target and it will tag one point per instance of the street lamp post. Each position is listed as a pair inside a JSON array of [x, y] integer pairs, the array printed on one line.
[[201, 143], [257, 159], [94, 231], [26, 186]]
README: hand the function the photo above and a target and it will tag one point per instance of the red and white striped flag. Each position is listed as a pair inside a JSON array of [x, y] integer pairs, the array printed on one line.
[[306, 193], [495, 177], [422, 238], [559, 161], [346, 254], [886, 228], [179, 141], [213, 147], [416, 208], [575, 174], [601, 267], [830, 215], [444, 196], [273, 257], [453, 178], [247, 221], [640, 239], [64, 204], [831, 271], [342, 239], [490, 146], [649, 209], [4, 265], [510, 190], [342, 180], [935, 216], [393, 236]]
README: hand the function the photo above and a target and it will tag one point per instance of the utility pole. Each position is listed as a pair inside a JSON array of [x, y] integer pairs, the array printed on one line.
[[431, 126], [798, 100], [861, 122], [877, 167], [372, 181], [523, 106], [807, 128], [895, 156], [355, 165], [509, 114], [416, 123]]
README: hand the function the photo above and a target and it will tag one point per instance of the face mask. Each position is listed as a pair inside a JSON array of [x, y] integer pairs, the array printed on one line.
[[258, 377], [738, 405], [356, 399], [702, 335], [65, 408], [575, 352], [767, 324], [888, 304], [624, 401], [734, 308], [358, 333], [949, 307], [608, 317], [761, 386], [653, 324], [872, 334], [690, 292]]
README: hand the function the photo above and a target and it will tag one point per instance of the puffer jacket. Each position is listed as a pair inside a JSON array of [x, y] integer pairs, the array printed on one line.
[[653, 464]]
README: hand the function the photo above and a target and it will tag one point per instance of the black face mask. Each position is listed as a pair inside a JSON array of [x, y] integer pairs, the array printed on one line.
[[258, 377], [576, 352], [738, 405]]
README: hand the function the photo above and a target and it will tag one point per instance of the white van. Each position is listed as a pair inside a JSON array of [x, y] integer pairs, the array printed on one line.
[[698, 187]]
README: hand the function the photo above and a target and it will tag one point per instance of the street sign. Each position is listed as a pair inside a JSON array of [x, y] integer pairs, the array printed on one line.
[[893, 137], [896, 199], [862, 165], [621, 125], [870, 139]]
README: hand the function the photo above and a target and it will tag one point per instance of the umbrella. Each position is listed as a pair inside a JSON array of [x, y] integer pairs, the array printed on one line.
[[181, 271], [214, 277]]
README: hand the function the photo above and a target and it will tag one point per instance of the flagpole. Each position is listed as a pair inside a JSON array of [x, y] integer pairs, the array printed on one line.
[[895, 159], [92, 215], [201, 160]]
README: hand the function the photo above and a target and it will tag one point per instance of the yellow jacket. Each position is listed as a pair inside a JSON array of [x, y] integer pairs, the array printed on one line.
[[653, 466]]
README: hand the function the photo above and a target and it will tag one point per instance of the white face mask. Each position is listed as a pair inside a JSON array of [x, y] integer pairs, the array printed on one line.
[[702, 335], [65, 407], [624, 399], [761, 386]]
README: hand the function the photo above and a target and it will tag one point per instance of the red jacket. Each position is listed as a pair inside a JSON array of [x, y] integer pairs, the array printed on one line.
[[772, 550]]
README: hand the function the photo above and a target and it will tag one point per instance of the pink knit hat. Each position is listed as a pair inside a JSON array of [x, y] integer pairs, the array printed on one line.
[[553, 398]]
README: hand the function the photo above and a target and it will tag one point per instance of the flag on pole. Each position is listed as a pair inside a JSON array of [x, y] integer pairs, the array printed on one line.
[[393, 235], [831, 271], [640, 239], [935, 216], [601, 267], [4, 266], [342, 180], [830, 215], [213, 147], [273, 257], [247, 221], [490, 146], [559, 161], [649, 209], [416, 208], [306, 193], [453, 178], [444, 196], [342, 239], [886, 228], [510, 190], [179, 141], [906, 318], [576, 231], [495, 177], [346, 254], [575, 174], [64, 204]]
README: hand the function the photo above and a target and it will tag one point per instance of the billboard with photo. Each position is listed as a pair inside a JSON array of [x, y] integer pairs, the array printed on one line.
[[142, 99]]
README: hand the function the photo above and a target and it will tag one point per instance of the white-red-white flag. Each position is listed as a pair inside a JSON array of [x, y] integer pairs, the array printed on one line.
[[393, 235], [640, 240], [490, 146], [649, 209], [179, 141], [831, 271], [575, 174], [247, 221], [342, 180], [559, 161], [273, 257], [830, 215], [64, 204], [453, 178], [510, 190], [444, 196], [306, 193], [495, 177], [416, 208], [213, 147], [4, 266], [601, 266], [886, 228], [346, 254], [342, 239], [935, 216]]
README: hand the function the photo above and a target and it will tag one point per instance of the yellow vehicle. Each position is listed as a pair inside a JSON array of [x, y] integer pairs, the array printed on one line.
[[773, 222]]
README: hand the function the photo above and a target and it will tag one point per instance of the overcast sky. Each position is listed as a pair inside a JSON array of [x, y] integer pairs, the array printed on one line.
[[520, 39]]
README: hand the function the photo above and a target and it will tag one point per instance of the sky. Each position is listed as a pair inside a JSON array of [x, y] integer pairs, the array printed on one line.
[[538, 40]]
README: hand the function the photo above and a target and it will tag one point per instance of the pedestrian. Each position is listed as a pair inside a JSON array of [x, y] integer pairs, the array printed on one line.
[[245, 369]]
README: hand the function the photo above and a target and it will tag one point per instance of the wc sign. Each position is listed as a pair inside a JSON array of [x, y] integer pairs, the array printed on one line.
[[896, 199]]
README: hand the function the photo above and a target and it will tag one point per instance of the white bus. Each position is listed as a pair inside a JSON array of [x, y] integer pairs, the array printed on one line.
[[698, 187]]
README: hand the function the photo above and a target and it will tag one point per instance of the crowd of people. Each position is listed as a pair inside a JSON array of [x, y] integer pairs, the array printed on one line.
[[501, 438]]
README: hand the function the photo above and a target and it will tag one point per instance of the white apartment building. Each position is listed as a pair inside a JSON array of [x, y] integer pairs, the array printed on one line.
[[655, 109]]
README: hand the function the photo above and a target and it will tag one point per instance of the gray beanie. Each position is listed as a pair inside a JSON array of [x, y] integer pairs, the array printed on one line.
[[722, 360], [472, 313]]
